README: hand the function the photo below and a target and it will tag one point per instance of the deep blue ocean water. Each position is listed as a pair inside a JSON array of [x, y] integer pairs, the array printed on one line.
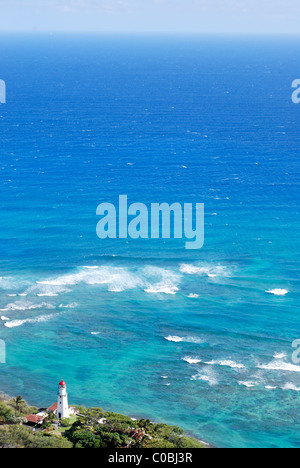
[[184, 337]]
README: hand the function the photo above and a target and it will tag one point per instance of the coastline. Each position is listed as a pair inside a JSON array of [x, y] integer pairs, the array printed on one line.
[[9, 400]]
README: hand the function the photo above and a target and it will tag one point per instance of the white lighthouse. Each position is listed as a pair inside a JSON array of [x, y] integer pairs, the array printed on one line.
[[62, 405]]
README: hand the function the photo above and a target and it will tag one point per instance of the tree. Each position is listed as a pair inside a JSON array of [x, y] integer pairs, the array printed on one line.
[[6, 414], [83, 439], [18, 402]]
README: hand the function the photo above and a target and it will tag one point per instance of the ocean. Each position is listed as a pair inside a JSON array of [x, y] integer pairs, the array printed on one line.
[[197, 338]]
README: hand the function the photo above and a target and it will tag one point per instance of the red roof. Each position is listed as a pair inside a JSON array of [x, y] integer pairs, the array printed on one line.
[[34, 418], [53, 407], [62, 383]]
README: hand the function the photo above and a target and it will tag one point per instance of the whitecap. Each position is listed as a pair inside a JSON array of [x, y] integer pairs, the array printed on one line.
[[191, 360], [4, 318], [205, 270], [26, 305], [178, 339], [95, 333], [269, 387], [68, 306], [193, 296], [46, 290], [152, 279], [291, 386], [160, 280], [226, 363], [279, 366], [278, 292], [247, 384], [47, 295], [162, 289], [19, 323], [279, 355], [118, 279]]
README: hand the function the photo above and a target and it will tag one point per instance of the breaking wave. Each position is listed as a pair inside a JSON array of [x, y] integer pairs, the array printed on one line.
[[159, 280], [191, 360], [226, 363], [278, 292], [119, 279], [178, 339], [279, 366], [291, 386], [247, 384], [19, 323], [205, 270], [279, 356], [26, 305]]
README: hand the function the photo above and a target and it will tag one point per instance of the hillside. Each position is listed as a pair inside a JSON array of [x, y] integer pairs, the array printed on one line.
[[91, 428]]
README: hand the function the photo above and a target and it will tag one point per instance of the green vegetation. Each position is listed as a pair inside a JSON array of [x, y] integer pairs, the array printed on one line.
[[96, 428], [23, 437], [92, 428]]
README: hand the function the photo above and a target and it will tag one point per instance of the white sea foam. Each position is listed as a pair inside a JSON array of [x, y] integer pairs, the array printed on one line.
[[279, 366], [205, 270], [47, 295], [269, 387], [206, 376], [26, 305], [188, 339], [95, 333], [46, 290], [162, 289], [164, 377], [226, 363], [279, 355], [278, 292], [19, 323], [247, 384], [291, 386], [118, 279], [176, 339], [68, 306], [191, 360], [4, 318], [193, 296], [160, 280]]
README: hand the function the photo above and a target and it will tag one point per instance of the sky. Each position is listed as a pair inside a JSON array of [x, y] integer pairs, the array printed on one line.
[[152, 16]]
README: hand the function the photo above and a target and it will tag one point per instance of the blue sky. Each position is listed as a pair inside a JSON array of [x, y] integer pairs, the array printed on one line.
[[196, 16]]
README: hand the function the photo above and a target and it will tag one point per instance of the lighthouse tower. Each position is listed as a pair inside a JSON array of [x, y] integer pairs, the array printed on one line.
[[62, 405]]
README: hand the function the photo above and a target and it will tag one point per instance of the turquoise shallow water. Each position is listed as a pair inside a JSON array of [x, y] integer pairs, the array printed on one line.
[[185, 337]]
